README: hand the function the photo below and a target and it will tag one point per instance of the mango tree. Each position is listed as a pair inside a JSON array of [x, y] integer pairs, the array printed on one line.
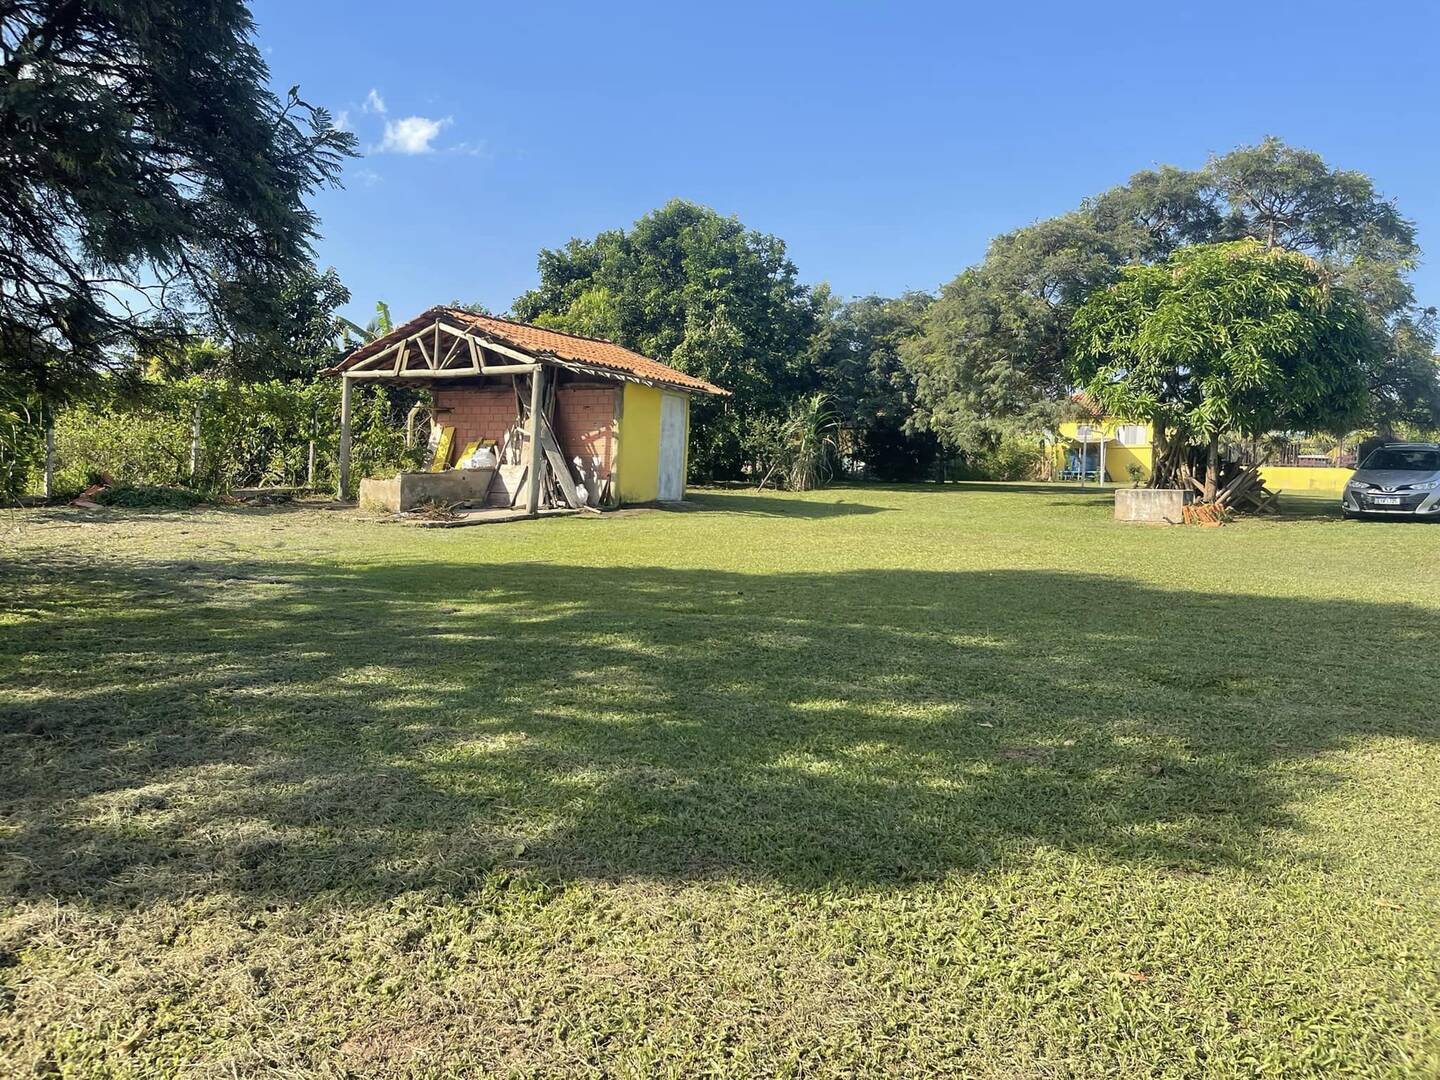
[[1224, 339]]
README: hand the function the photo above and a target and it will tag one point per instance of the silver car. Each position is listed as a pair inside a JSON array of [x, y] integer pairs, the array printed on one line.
[[1398, 479]]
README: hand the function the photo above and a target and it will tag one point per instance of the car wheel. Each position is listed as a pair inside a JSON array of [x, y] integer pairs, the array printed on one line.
[[1348, 514]]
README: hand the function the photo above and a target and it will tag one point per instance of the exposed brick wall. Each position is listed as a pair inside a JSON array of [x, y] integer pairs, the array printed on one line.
[[585, 425], [584, 420], [475, 413]]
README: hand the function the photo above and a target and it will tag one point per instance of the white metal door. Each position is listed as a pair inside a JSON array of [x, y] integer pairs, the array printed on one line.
[[672, 448]]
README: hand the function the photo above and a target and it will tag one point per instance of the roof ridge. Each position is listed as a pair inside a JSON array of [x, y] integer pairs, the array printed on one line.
[[552, 330], [559, 346]]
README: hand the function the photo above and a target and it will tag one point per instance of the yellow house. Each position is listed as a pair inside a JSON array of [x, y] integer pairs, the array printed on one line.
[[1101, 449]]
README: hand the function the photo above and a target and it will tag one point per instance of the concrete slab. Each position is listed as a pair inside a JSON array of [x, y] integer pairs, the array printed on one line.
[[1158, 506], [407, 490]]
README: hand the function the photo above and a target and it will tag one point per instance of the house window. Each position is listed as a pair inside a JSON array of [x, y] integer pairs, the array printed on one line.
[[1132, 435]]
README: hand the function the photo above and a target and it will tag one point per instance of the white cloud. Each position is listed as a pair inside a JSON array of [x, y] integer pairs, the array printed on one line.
[[342, 121], [368, 177], [374, 102], [412, 135]]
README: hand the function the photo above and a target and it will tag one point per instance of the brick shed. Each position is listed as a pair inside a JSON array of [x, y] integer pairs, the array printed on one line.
[[615, 421]]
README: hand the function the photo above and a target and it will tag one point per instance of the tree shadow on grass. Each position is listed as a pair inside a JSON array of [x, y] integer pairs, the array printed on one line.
[[277, 731], [836, 504]]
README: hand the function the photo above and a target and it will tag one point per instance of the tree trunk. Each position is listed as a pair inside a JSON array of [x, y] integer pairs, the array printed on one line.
[[1159, 451], [1166, 457], [1212, 468]]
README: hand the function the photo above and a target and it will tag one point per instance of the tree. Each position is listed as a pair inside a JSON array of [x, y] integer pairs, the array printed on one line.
[[855, 357], [1225, 338], [1288, 197], [990, 357], [699, 291], [303, 332], [151, 185], [989, 360]]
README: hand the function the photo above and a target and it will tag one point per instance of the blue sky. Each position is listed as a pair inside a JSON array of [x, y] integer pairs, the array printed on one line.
[[885, 143]]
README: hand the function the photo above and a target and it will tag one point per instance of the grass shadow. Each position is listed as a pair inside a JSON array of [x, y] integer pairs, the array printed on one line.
[[834, 505], [279, 730]]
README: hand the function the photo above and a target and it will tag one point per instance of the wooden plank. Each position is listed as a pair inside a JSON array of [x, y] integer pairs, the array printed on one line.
[[450, 352], [381, 361], [558, 465], [449, 373], [1238, 485]]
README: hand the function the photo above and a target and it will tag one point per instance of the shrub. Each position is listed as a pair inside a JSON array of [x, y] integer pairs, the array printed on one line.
[[1013, 459], [250, 434], [150, 497], [22, 443], [797, 452]]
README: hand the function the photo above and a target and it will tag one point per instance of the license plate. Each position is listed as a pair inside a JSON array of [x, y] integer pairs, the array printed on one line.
[[1381, 500]]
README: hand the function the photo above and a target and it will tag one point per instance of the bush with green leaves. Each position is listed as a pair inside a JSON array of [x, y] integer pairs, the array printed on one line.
[[149, 497], [1017, 457], [22, 442], [798, 451], [249, 434]]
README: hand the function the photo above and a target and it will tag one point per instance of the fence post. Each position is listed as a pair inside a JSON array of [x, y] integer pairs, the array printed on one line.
[[344, 462], [49, 421], [195, 443]]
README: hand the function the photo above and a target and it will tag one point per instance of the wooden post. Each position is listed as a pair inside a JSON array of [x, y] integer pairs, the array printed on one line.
[[1100, 476], [195, 443], [344, 462], [49, 452], [534, 460]]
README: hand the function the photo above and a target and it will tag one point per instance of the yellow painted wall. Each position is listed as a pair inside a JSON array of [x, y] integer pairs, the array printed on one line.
[[639, 444], [1291, 478], [1118, 459]]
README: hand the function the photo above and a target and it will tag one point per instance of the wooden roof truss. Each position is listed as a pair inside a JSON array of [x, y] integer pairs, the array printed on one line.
[[442, 351]]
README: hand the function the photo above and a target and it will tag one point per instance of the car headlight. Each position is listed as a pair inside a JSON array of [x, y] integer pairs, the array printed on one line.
[[1358, 485], [1429, 485]]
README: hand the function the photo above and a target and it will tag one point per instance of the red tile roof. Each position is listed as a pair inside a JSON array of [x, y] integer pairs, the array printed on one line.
[[595, 353], [1088, 404]]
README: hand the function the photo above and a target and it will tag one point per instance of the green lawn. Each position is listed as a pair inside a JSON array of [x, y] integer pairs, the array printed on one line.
[[963, 780]]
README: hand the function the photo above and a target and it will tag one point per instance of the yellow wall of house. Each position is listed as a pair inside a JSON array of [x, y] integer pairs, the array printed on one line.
[[1291, 478], [1118, 459], [639, 444]]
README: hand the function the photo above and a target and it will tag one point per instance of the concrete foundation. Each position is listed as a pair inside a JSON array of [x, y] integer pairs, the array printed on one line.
[[407, 490], [1161, 506]]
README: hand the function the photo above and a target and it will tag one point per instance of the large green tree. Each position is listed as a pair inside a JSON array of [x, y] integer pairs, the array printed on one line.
[[989, 360], [698, 290], [990, 357], [1223, 339], [151, 187], [855, 360]]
